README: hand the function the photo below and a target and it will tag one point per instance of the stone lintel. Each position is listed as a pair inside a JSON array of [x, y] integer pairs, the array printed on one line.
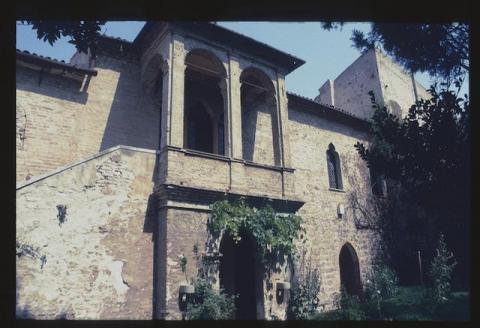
[[170, 195]]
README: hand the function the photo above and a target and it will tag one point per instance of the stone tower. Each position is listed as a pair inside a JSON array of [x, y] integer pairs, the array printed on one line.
[[373, 71]]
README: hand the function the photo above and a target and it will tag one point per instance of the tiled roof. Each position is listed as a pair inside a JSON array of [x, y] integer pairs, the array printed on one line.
[[24, 54], [301, 61], [115, 38], [229, 38], [326, 109]]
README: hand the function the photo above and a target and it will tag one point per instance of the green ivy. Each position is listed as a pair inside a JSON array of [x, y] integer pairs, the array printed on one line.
[[274, 233]]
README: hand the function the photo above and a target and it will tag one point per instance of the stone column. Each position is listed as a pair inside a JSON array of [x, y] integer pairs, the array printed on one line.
[[235, 108], [178, 54], [225, 91], [282, 105], [165, 114]]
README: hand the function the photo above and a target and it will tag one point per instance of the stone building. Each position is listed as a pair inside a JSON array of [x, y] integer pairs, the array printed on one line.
[[119, 158]]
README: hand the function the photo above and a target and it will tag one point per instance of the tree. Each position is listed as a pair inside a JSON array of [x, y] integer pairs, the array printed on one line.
[[442, 50], [427, 155], [82, 34], [441, 271]]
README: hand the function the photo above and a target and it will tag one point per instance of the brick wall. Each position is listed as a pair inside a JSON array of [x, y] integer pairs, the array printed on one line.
[[58, 124]]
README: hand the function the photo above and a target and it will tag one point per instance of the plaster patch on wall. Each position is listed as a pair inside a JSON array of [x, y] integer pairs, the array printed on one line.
[[116, 272]]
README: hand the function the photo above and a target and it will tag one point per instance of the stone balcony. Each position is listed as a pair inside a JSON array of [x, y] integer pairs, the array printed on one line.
[[191, 169]]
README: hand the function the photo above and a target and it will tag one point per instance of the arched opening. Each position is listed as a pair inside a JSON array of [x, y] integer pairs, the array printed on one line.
[[204, 119], [260, 132], [152, 77], [241, 274], [350, 271]]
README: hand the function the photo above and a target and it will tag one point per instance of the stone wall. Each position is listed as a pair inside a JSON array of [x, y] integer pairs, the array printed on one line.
[[310, 136], [57, 123], [351, 87], [98, 263], [397, 86], [188, 227], [185, 228], [372, 71]]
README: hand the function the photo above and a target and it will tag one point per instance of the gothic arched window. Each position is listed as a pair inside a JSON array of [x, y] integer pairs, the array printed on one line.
[[334, 171]]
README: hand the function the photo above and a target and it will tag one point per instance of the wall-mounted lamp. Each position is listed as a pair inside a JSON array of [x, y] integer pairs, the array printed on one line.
[[282, 288], [184, 291], [340, 211]]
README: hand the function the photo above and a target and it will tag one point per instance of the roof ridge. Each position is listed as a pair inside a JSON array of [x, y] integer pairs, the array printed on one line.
[[115, 38]]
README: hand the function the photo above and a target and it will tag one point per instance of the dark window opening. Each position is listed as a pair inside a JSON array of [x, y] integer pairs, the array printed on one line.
[[333, 166], [377, 182], [204, 103], [199, 123]]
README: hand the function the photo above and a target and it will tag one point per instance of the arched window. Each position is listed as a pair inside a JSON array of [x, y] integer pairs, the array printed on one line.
[[333, 166], [204, 117]]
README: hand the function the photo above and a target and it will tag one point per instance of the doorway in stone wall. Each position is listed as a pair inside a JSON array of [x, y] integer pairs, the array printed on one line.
[[241, 274], [350, 271]]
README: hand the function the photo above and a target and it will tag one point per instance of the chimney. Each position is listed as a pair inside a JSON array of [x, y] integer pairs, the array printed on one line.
[[326, 94]]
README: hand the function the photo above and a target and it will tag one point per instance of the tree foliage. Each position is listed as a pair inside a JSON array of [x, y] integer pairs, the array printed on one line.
[[424, 149], [427, 155], [442, 50], [82, 34], [441, 272]]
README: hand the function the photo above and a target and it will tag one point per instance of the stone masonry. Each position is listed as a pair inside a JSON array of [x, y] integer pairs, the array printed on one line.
[[109, 197], [98, 260]]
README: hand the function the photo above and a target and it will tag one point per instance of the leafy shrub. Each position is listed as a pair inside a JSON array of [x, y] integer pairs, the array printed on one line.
[[381, 284], [206, 304], [351, 309], [441, 273], [303, 299]]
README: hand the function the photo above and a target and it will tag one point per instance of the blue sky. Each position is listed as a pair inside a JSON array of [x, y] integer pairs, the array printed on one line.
[[327, 53]]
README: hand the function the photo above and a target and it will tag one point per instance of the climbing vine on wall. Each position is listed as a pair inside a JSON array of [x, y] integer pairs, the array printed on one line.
[[274, 233]]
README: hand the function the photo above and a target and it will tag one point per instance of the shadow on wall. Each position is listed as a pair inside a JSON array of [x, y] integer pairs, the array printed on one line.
[[151, 226], [52, 85], [156, 224], [249, 126], [134, 117]]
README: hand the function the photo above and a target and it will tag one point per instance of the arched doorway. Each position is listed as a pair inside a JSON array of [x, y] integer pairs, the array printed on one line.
[[240, 274], [350, 271]]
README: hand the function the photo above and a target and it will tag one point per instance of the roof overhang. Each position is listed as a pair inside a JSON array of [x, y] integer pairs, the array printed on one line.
[[48, 63], [225, 37]]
